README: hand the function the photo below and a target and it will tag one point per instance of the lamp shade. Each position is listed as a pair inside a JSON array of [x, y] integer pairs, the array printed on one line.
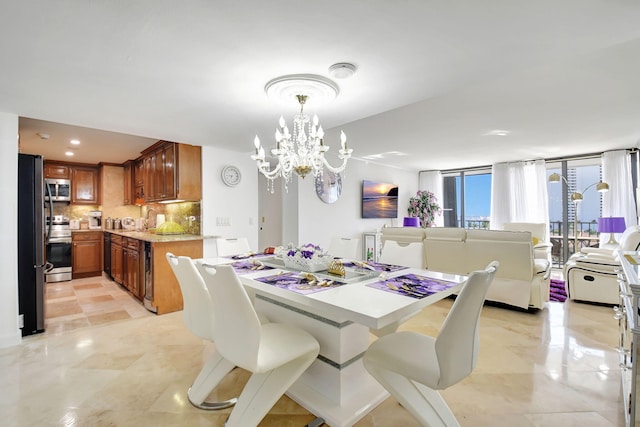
[[411, 221], [612, 224]]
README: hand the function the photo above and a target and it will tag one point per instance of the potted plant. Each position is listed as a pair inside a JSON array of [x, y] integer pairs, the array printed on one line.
[[424, 205]]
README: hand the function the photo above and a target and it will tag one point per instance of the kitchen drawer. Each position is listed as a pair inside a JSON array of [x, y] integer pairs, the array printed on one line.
[[131, 243], [116, 239], [86, 236]]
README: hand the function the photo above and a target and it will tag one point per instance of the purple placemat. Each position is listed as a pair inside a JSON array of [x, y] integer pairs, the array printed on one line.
[[250, 255], [413, 285], [249, 266], [374, 266], [298, 282]]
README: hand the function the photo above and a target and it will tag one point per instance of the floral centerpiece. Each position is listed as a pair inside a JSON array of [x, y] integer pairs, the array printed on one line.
[[307, 257], [424, 205]]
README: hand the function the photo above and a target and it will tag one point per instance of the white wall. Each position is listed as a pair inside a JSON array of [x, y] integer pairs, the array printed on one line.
[[9, 331], [239, 204], [319, 221]]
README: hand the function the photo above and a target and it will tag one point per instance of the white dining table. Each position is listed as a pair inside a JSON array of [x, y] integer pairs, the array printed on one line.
[[336, 386]]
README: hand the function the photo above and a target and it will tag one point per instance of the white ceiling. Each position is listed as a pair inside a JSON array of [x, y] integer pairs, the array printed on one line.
[[433, 76]]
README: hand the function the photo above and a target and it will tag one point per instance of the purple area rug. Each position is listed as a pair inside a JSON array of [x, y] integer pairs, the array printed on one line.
[[557, 291]]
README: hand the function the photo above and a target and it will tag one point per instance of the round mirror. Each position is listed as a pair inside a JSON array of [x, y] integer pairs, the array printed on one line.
[[328, 186]]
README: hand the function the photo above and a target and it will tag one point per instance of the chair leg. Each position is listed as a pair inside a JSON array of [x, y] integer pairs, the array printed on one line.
[[263, 390], [213, 371], [425, 404]]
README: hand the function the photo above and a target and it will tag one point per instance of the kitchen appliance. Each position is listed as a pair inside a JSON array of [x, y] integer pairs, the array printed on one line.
[[148, 278], [109, 223], [107, 252], [59, 190], [117, 224], [58, 249], [128, 223], [31, 243], [95, 220], [74, 224]]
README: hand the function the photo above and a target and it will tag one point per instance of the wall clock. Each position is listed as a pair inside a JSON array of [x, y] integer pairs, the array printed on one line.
[[328, 186], [231, 175]]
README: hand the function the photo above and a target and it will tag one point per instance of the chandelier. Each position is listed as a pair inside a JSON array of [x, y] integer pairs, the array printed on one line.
[[302, 151]]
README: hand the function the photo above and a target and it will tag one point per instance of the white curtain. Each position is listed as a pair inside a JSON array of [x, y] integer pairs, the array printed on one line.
[[618, 201], [519, 193], [432, 181]]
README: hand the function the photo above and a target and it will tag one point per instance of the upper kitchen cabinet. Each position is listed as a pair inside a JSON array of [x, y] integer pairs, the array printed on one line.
[[129, 189], [85, 185], [173, 171], [56, 170]]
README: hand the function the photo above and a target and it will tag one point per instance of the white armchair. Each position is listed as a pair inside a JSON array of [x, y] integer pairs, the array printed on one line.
[[539, 236], [591, 274]]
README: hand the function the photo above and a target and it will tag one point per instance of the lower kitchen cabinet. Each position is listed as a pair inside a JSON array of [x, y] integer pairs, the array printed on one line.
[[133, 267], [116, 258], [86, 254]]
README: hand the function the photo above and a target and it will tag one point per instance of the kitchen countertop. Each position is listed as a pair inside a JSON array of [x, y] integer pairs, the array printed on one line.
[[157, 238]]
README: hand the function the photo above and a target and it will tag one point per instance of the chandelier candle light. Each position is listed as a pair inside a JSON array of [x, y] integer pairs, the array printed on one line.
[[301, 152]]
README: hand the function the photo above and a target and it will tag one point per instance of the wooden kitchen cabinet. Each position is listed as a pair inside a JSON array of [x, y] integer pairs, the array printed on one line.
[[85, 185], [172, 172], [128, 194], [138, 181], [133, 267], [56, 170], [116, 259], [86, 254]]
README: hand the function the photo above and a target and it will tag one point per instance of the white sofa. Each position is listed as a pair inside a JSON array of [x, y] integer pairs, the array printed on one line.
[[591, 274], [522, 280]]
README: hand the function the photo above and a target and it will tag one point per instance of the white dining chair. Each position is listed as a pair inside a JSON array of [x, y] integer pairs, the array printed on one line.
[[198, 317], [232, 246], [344, 247], [413, 367], [275, 353], [406, 254]]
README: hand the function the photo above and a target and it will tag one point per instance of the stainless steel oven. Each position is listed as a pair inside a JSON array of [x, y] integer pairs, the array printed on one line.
[[58, 250]]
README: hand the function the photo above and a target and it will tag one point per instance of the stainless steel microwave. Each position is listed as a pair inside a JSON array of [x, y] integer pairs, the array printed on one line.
[[57, 190]]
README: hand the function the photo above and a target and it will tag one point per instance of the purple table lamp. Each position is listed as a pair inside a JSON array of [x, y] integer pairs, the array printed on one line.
[[612, 224], [411, 222]]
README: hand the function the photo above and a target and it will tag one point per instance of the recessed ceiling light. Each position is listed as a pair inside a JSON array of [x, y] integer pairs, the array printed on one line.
[[342, 70], [75, 142], [69, 153], [498, 132]]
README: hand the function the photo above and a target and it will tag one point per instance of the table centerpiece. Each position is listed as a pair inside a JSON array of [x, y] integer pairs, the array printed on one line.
[[308, 257]]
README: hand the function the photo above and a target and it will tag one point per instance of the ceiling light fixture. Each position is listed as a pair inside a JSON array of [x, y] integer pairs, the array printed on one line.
[[69, 153], [74, 142], [498, 132], [342, 70], [43, 135], [301, 152], [318, 89]]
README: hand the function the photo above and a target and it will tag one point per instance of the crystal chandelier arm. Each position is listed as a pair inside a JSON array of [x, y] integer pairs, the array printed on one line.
[[336, 169]]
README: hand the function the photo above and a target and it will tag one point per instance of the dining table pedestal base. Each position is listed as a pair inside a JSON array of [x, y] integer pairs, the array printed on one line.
[[336, 386]]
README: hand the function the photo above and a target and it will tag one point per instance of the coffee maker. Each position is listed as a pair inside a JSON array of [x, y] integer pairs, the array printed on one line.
[[95, 220]]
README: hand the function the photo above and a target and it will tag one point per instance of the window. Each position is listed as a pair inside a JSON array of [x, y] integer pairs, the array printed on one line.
[[467, 198], [573, 226]]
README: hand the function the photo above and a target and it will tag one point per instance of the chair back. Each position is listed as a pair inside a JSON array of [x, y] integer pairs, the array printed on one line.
[[232, 246], [407, 254], [344, 247], [237, 326], [458, 341], [197, 308]]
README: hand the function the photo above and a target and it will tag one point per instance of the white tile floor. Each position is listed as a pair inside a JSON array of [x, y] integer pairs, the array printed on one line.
[[556, 367]]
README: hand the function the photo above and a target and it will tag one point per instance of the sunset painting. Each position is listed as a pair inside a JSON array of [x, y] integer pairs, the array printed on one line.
[[379, 200]]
